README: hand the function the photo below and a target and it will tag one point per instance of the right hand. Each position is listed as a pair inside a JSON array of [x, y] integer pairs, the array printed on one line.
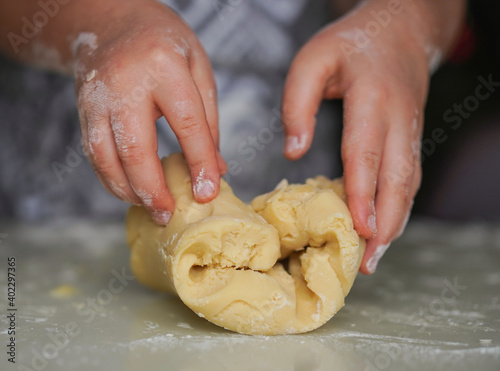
[[147, 63]]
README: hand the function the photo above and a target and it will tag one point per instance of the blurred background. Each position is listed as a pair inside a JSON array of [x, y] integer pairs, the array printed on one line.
[[462, 174], [44, 174]]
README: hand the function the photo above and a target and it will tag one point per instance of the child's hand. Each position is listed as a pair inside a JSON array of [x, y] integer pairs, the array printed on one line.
[[383, 80], [144, 63]]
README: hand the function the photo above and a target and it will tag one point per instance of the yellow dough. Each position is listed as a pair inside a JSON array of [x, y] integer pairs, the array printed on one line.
[[225, 258]]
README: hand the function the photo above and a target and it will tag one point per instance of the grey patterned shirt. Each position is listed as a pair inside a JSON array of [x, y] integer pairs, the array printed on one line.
[[43, 173]]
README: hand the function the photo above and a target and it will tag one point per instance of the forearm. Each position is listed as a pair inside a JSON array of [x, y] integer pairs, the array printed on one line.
[[48, 33], [430, 24], [436, 25]]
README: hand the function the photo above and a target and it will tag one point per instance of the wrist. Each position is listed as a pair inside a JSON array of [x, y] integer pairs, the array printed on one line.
[[118, 26], [435, 26], [51, 35], [93, 25], [428, 27]]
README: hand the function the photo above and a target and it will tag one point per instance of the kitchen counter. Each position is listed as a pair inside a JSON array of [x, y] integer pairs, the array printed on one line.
[[433, 304]]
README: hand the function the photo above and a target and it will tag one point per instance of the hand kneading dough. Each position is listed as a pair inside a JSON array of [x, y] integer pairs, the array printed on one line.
[[223, 258]]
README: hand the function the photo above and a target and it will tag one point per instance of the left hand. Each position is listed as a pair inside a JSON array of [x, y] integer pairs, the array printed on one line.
[[384, 86]]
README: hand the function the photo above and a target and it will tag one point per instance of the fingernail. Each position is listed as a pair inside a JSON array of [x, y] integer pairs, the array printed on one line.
[[161, 217], [204, 188], [294, 143], [372, 263], [372, 223]]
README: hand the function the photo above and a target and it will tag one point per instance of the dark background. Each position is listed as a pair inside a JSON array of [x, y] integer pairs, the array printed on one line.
[[462, 176]]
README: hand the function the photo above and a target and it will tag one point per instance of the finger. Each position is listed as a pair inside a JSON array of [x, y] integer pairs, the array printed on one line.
[[417, 178], [393, 194], [180, 102], [107, 164], [302, 96], [202, 74], [416, 147], [203, 77], [84, 130], [99, 146], [136, 144], [362, 142]]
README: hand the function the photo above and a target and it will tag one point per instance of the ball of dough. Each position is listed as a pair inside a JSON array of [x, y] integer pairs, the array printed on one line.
[[280, 266]]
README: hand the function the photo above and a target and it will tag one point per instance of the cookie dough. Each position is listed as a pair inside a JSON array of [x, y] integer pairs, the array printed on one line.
[[282, 265]]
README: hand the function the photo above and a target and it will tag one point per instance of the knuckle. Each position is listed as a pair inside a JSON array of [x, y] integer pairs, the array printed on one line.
[[403, 186], [131, 154], [376, 93], [103, 167], [165, 53], [290, 112], [354, 161], [158, 53], [189, 127], [369, 159], [398, 184], [357, 196]]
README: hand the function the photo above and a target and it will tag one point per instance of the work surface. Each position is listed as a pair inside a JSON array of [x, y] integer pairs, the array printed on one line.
[[433, 304]]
